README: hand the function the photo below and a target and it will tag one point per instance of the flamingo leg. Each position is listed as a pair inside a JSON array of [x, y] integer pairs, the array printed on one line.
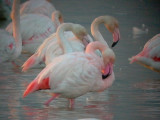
[[52, 98], [71, 103]]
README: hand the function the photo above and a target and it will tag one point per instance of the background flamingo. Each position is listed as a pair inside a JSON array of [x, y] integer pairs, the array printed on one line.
[[11, 46], [150, 55], [43, 7], [74, 74], [51, 47], [110, 23], [35, 28]]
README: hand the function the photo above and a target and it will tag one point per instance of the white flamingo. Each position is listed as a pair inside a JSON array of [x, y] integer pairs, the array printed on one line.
[[11, 46], [46, 52], [74, 74], [38, 7], [150, 55], [35, 28]]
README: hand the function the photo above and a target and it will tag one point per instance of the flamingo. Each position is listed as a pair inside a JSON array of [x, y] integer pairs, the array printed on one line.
[[47, 50], [11, 46], [150, 55], [74, 74], [35, 28], [77, 41], [38, 7]]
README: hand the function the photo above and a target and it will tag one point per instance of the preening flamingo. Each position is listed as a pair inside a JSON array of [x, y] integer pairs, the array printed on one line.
[[150, 55], [74, 74], [47, 50], [43, 7], [51, 47], [11, 46], [35, 28]]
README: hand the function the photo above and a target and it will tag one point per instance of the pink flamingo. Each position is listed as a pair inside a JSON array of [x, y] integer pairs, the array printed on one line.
[[35, 28], [43, 7], [150, 55], [49, 49], [11, 46], [74, 74]]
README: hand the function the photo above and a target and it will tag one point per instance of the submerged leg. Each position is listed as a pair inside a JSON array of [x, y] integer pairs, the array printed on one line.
[[71, 103], [52, 98]]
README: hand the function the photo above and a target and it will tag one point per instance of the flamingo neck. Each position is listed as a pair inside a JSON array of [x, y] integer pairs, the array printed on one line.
[[15, 15], [95, 29], [93, 46], [57, 18], [64, 44]]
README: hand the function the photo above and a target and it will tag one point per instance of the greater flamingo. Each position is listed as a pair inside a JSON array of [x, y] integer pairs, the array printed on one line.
[[35, 28], [74, 74], [11, 46], [150, 55], [38, 7], [47, 52]]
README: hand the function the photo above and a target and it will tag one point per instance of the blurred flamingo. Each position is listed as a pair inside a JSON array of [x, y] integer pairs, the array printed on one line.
[[11, 46], [35, 28], [150, 55], [43, 7]]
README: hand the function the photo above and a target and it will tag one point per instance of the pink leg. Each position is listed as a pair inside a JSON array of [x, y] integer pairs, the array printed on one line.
[[52, 98], [71, 103]]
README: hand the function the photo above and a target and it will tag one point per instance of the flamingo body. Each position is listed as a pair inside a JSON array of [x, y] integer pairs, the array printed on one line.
[[72, 75], [11, 46], [35, 28], [7, 45], [37, 7], [150, 55]]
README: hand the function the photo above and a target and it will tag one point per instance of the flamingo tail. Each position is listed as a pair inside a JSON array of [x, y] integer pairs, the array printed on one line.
[[34, 86], [31, 62]]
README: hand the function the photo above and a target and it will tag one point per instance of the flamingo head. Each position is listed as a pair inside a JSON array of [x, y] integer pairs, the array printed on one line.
[[108, 56], [109, 59], [81, 33], [112, 25]]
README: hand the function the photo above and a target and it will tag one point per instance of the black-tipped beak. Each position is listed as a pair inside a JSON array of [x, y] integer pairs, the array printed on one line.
[[114, 43], [105, 76]]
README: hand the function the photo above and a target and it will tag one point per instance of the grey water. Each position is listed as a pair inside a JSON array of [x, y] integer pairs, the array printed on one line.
[[135, 94]]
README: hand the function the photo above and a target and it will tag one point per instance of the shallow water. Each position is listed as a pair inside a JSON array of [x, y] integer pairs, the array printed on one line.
[[135, 92]]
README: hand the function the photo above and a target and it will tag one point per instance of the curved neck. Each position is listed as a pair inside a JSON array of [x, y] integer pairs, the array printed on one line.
[[15, 15], [64, 44], [57, 18], [95, 28], [93, 46]]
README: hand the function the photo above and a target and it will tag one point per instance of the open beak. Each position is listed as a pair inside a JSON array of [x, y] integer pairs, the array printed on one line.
[[116, 36]]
